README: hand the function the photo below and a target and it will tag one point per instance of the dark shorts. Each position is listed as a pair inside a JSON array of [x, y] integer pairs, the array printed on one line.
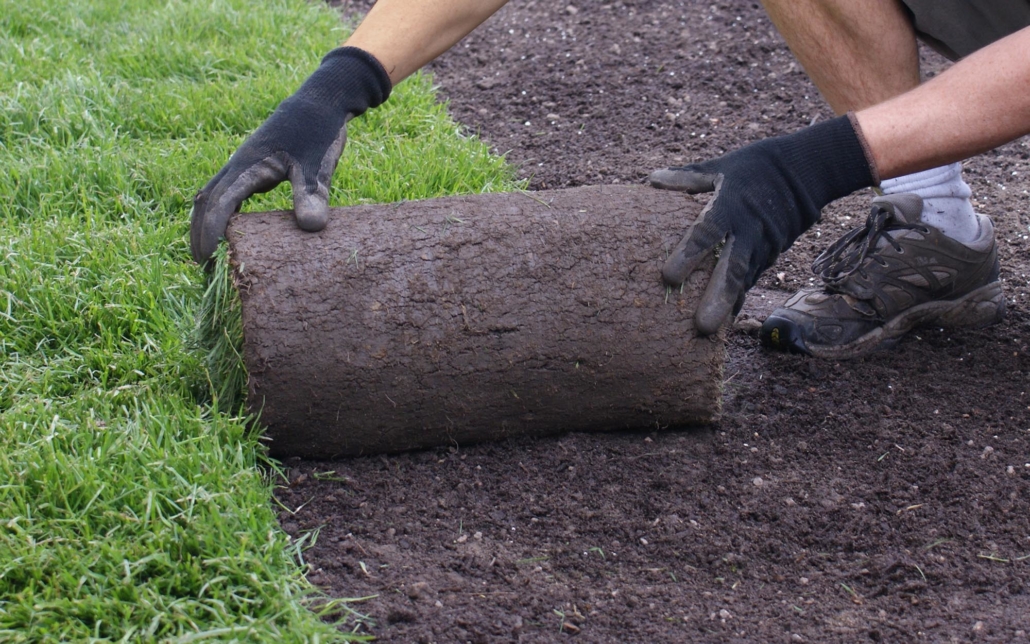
[[957, 28]]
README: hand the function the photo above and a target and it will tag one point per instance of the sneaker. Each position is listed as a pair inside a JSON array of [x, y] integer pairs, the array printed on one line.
[[886, 278]]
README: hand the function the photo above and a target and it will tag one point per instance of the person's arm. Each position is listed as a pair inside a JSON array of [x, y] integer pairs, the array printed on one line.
[[405, 35], [983, 101], [303, 139]]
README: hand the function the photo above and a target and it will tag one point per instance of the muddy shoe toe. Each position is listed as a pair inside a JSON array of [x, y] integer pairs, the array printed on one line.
[[813, 316]]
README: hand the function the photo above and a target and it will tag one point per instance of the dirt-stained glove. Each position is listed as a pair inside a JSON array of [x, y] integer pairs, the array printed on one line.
[[765, 195], [301, 141]]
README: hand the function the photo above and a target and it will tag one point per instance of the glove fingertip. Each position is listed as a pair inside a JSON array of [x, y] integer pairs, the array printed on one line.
[[682, 179], [708, 319], [312, 223], [205, 230], [311, 212], [196, 249], [666, 179], [685, 258], [674, 272], [725, 291]]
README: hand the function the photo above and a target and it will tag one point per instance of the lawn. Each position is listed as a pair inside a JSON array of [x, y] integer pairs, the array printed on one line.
[[132, 505]]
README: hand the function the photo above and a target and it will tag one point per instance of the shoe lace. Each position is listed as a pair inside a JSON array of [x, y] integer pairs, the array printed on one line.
[[847, 256]]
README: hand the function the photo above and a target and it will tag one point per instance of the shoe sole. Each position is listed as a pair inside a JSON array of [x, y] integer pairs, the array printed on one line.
[[979, 308]]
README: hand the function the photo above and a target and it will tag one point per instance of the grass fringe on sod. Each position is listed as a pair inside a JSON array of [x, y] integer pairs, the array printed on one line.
[[131, 506], [220, 334]]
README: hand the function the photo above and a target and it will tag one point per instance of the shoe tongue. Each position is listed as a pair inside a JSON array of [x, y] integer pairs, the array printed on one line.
[[904, 208], [907, 207]]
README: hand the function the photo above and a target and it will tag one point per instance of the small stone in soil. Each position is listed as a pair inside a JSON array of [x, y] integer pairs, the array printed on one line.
[[417, 589]]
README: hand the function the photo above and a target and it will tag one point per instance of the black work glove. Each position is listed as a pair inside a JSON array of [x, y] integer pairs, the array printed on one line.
[[301, 141], [765, 196]]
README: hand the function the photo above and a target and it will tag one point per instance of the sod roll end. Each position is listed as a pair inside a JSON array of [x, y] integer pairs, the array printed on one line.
[[466, 319]]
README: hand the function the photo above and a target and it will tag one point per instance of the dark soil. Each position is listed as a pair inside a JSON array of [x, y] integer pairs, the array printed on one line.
[[884, 499], [562, 322]]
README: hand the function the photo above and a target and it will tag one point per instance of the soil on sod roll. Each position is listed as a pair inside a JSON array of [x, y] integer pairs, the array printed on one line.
[[460, 320], [886, 498]]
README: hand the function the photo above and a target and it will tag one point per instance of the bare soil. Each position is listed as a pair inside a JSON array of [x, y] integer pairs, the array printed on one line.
[[883, 499]]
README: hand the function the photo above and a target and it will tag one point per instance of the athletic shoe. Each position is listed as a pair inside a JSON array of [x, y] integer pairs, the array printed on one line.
[[885, 278]]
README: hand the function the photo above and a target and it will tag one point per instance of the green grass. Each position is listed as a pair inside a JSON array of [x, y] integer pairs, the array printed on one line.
[[132, 508]]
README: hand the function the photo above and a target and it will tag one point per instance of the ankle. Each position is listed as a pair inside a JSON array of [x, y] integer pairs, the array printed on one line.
[[946, 204]]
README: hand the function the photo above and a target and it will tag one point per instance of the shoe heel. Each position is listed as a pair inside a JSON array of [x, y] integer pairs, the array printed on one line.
[[983, 307]]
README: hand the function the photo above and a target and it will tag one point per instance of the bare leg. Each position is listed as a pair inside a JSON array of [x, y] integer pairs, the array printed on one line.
[[857, 53], [860, 54]]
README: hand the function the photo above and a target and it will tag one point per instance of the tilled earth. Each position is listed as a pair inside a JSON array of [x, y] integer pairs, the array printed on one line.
[[885, 498]]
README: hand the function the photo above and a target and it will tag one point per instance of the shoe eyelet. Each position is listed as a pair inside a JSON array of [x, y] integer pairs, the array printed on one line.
[[924, 230]]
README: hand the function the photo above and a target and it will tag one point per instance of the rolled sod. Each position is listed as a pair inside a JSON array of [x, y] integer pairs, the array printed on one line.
[[466, 319]]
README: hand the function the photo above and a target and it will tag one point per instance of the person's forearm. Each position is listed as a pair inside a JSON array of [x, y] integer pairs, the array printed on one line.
[[404, 35], [980, 103]]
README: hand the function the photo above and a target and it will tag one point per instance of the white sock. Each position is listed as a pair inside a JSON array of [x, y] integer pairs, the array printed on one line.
[[946, 204]]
